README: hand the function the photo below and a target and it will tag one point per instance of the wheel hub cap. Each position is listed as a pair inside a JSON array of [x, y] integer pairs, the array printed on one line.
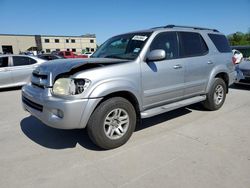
[[116, 123], [218, 94]]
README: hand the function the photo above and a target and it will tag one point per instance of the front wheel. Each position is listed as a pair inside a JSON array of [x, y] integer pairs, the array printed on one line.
[[112, 123], [216, 96]]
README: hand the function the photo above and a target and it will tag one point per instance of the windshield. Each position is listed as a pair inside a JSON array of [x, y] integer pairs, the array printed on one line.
[[126, 46]]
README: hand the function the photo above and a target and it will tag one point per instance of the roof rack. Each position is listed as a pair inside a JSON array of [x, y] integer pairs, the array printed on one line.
[[198, 28]]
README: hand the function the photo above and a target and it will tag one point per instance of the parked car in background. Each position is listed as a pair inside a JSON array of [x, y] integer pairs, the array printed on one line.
[[237, 55], [88, 54], [69, 54], [49, 57], [16, 70], [243, 73]]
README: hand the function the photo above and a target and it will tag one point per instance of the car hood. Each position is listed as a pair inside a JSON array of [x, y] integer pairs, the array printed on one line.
[[64, 66], [244, 65]]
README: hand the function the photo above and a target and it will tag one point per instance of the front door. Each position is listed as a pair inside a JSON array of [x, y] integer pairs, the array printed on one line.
[[163, 81]]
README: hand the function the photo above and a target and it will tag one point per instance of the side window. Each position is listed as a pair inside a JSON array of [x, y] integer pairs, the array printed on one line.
[[20, 60], [192, 44], [3, 62], [166, 41], [221, 42]]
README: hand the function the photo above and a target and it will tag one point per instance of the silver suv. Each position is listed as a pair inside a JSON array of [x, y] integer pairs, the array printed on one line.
[[132, 76]]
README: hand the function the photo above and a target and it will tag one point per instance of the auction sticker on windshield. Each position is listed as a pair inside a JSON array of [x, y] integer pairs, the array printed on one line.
[[139, 37]]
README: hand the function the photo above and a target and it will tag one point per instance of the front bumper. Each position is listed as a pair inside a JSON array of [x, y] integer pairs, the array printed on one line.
[[74, 114]]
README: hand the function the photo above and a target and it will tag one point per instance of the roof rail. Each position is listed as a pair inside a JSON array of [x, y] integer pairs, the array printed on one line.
[[198, 28]]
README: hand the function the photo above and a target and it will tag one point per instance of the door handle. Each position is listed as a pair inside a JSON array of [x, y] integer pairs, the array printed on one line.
[[177, 66], [210, 62]]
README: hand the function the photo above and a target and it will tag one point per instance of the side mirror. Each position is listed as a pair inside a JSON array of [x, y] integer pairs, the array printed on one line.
[[156, 55]]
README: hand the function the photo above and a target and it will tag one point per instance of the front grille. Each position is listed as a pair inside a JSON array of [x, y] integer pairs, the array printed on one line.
[[37, 85], [44, 77], [39, 79], [32, 104]]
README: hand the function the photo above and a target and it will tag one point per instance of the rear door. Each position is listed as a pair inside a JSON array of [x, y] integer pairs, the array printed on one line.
[[5, 74], [194, 53], [21, 69]]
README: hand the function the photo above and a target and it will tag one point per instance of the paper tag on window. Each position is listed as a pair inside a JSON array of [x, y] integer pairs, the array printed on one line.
[[136, 50], [140, 38]]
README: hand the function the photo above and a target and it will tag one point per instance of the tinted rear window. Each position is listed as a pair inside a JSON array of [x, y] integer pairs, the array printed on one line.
[[3, 62], [192, 44], [221, 42], [21, 60]]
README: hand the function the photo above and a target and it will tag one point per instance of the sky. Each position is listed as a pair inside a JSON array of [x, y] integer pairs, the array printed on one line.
[[107, 18]]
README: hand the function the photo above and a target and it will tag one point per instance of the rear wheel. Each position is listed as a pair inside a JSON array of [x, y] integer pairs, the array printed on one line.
[[216, 96], [112, 123]]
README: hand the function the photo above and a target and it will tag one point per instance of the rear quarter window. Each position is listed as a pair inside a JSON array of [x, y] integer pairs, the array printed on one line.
[[220, 42]]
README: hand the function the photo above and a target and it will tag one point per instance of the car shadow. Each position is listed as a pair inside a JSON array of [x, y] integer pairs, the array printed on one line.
[[240, 87], [10, 89], [58, 139], [53, 138], [153, 121]]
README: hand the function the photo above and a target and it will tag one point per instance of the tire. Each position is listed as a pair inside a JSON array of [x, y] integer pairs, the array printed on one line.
[[216, 96], [112, 123]]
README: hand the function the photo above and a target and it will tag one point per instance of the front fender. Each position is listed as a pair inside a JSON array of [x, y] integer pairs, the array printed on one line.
[[113, 86]]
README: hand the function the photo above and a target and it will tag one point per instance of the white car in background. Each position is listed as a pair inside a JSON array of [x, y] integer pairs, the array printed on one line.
[[16, 70], [238, 56]]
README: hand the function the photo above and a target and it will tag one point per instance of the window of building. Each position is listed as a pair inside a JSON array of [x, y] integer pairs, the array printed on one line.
[[73, 41], [92, 41], [192, 44], [87, 49], [168, 42], [68, 49], [21, 60], [58, 50], [92, 49], [73, 50], [221, 42], [3, 62], [67, 40], [46, 40], [47, 50], [56, 40]]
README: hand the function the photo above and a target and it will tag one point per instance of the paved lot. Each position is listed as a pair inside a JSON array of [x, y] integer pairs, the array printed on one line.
[[184, 148]]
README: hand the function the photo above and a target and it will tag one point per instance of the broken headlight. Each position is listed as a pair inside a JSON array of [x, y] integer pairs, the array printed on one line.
[[70, 86]]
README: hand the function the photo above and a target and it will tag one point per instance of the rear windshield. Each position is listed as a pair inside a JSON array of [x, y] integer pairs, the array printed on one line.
[[221, 42]]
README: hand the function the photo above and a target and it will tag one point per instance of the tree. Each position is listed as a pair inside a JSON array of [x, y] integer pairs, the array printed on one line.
[[239, 38]]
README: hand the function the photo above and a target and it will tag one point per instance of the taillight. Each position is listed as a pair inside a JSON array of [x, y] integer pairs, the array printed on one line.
[[234, 60]]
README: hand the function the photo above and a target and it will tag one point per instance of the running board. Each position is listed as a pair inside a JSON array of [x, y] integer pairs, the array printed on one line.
[[172, 106]]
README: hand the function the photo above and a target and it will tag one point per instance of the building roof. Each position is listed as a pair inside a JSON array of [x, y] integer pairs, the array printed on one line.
[[83, 36]]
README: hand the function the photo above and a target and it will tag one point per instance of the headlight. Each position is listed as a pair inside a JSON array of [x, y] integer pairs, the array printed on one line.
[[70, 86]]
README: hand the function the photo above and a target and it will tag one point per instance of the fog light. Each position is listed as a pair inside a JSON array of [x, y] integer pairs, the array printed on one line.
[[58, 113]]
